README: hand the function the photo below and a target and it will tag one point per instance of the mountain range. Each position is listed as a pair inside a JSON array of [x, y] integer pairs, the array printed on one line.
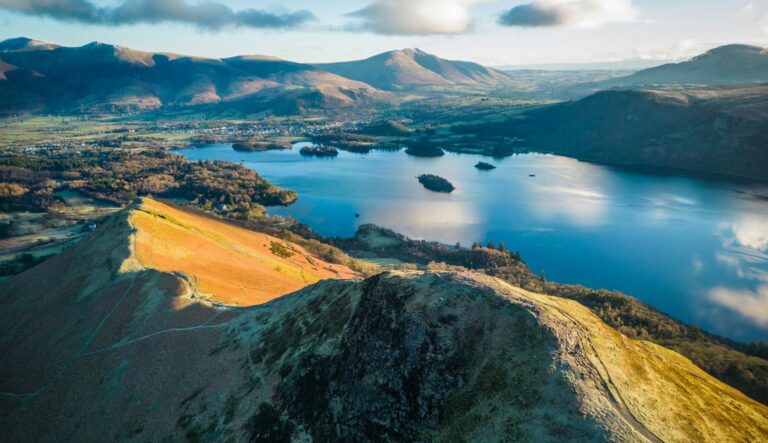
[[137, 342], [40, 76], [104, 77]]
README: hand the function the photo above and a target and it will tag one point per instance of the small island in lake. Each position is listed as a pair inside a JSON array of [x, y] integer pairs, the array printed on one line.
[[259, 146], [483, 166], [319, 151], [424, 149], [436, 183]]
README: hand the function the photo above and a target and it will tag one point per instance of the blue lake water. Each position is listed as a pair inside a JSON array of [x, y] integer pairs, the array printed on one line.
[[694, 248]]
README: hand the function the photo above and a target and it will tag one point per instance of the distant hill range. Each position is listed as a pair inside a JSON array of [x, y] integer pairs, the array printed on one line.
[[726, 65], [412, 68], [713, 129], [98, 77], [143, 336]]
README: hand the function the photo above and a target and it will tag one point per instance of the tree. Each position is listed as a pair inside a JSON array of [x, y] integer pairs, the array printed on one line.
[[458, 246], [503, 247], [491, 245]]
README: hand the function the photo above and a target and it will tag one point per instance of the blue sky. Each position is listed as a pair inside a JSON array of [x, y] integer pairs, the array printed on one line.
[[531, 31]]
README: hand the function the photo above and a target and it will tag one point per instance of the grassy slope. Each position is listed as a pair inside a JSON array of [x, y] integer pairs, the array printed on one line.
[[237, 265], [666, 392]]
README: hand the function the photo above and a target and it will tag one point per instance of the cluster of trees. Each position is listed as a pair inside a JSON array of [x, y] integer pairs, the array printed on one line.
[[346, 141], [30, 182], [492, 258]]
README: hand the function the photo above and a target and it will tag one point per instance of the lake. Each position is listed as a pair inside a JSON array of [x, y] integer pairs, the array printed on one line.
[[694, 248]]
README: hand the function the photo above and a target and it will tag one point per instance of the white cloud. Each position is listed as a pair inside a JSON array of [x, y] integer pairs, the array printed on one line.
[[750, 304], [749, 7], [764, 24], [578, 13], [416, 17]]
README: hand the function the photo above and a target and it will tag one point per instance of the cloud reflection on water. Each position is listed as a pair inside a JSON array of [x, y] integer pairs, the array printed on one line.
[[751, 232], [753, 305], [745, 243]]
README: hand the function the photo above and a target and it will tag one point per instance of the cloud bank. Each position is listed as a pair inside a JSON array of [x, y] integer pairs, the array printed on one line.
[[208, 15], [415, 17], [581, 13]]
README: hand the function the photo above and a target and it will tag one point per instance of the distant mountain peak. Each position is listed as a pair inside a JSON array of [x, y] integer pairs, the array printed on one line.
[[411, 68], [412, 51], [736, 47], [26, 44], [724, 65], [734, 50]]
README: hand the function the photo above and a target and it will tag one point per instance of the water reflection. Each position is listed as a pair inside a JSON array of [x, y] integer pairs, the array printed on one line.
[[750, 232], [745, 244], [695, 249], [444, 220], [582, 206], [753, 305]]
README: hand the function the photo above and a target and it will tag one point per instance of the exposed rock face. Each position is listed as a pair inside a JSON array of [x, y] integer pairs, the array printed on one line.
[[119, 352], [407, 368]]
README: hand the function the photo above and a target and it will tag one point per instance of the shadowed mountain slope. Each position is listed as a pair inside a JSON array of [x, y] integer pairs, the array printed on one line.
[[115, 349], [721, 130], [411, 68]]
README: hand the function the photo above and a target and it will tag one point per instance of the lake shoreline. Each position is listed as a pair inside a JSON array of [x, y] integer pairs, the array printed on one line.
[[550, 207], [638, 168]]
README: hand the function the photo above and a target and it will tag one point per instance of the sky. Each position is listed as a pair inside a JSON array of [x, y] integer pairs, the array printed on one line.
[[492, 32]]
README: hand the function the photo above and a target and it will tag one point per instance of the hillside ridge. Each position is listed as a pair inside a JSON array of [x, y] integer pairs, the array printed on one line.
[[117, 349]]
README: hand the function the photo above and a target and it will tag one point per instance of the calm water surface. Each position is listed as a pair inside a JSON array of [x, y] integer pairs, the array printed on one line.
[[694, 248]]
